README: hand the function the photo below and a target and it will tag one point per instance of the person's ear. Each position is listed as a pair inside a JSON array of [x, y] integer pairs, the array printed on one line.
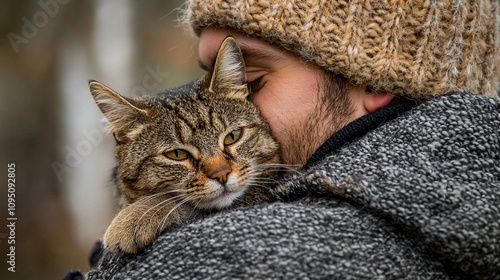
[[376, 100]]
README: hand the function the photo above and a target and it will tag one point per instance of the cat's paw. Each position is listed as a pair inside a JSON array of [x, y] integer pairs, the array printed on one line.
[[121, 241], [128, 234]]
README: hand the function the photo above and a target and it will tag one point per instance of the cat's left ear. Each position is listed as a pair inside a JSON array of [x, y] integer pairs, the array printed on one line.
[[228, 77]]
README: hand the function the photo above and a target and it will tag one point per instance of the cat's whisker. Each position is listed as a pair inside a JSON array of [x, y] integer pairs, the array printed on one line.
[[258, 176], [146, 199], [166, 202], [295, 166], [197, 201], [159, 205], [289, 167], [161, 225], [256, 184], [149, 197], [278, 167], [251, 182]]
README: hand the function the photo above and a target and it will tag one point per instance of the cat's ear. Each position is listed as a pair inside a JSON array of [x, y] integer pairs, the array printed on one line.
[[119, 111], [228, 77]]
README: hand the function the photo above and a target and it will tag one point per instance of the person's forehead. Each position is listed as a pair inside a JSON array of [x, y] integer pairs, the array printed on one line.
[[211, 38]]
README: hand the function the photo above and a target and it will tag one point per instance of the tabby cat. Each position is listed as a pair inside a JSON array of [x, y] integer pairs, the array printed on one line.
[[183, 152]]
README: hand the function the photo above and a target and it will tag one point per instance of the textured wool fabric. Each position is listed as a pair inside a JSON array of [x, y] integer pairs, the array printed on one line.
[[422, 202], [361, 126], [414, 48]]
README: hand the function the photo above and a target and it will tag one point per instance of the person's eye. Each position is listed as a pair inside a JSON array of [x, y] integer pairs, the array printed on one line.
[[256, 84], [204, 67]]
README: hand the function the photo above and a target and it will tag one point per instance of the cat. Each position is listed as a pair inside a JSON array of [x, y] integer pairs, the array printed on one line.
[[182, 153]]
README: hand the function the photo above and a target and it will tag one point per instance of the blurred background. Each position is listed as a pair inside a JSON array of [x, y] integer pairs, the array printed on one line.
[[50, 127]]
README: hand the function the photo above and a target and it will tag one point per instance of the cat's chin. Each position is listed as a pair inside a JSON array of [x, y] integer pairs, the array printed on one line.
[[225, 199]]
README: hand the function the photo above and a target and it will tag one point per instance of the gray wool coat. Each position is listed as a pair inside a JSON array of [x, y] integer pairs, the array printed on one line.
[[422, 201]]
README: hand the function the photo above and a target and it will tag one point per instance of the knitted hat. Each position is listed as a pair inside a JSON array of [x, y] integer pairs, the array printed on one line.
[[415, 48]]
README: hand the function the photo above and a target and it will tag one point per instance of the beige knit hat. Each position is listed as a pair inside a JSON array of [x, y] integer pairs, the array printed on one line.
[[415, 48]]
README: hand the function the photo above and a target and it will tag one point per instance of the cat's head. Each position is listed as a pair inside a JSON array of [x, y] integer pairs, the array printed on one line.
[[207, 145]]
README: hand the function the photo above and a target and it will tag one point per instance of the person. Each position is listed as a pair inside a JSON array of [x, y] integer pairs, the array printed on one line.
[[392, 103]]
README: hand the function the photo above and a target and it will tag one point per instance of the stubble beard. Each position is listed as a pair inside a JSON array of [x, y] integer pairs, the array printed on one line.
[[333, 111]]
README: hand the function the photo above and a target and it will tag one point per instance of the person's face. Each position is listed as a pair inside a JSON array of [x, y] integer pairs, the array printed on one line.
[[286, 89]]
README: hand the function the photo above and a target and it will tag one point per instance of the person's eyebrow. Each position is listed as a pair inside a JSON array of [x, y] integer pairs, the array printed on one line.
[[259, 53], [250, 53]]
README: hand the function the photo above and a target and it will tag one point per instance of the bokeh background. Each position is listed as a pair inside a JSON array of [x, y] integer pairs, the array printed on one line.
[[50, 127]]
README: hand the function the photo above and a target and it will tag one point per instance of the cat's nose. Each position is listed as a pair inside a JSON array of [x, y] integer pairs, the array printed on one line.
[[220, 173]]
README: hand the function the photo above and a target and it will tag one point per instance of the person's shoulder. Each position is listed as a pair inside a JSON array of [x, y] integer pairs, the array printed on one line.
[[458, 112], [271, 241], [462, 102]]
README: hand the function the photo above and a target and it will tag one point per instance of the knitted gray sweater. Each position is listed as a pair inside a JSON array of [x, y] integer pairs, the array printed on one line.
[[422, 200]]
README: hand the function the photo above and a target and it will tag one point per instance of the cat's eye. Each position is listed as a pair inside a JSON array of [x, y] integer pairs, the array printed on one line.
[[177, 154], [232, 137]]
